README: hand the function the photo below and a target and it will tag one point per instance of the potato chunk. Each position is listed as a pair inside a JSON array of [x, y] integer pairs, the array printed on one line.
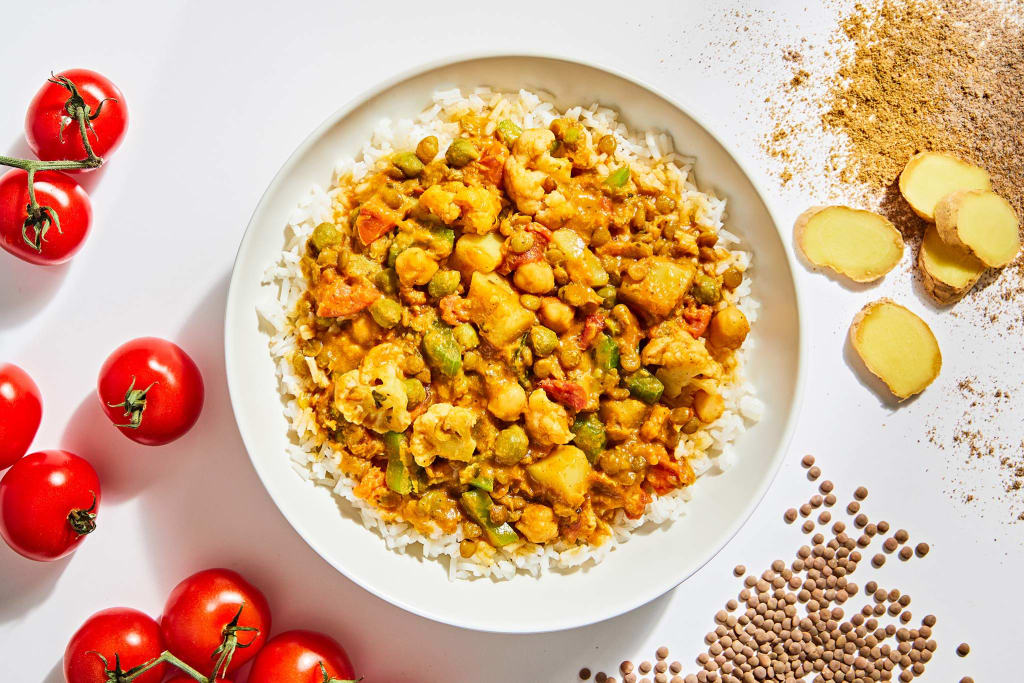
[[565, 475], [981, 222], [896, 346], [662, 286], [948, 272], [477, 253], [861, 245], [502, 319], [930, 176]]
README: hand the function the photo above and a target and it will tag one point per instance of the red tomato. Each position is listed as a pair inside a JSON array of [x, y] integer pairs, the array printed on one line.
[[48, 503], [151, 390], [184, 678], [296, 656], [54, 136], [129, 634], [201, 607], [21, 410], [56, 241]]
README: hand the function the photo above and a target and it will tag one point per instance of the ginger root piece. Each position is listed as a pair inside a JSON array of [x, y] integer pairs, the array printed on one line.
[[981, 222], [896, 346], [949, 272], [930, 176], [861, 245]]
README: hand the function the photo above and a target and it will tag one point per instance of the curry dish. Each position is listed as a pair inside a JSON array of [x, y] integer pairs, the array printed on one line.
[[506, 337]]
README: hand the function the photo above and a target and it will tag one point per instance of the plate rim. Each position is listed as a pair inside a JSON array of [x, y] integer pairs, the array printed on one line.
[[778, 457]]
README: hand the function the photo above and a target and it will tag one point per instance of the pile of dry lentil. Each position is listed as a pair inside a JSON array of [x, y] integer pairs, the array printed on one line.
[[793, 621]]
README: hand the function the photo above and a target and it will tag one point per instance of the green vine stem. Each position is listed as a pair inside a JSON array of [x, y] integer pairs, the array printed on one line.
[[38, 218]]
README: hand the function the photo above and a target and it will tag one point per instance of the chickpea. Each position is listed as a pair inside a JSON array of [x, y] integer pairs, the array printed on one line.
[[415, 266], [728, 328], [536, 277], [507, 400], [556, 315], [708, 407]]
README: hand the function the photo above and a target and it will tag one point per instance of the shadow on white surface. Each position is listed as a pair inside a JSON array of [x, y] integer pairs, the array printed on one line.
[[125, 468], [56, 674], [25, 583], [25, 288]]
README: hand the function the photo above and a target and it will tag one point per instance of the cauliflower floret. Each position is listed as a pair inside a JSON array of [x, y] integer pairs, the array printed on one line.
[[480, 208], [474, 208], [537, 523], [374, 395], [529, 165], [506, 399], [680, 356], [556, 210], [444, 431], [546, 421], [441, 202]]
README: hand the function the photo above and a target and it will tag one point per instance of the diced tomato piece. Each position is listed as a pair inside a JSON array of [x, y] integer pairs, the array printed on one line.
[[514, 260], [454, 309], [371, 223], [339, 297], [491, 163], [669, 475], [541, 231], [565, 392], [592, 326], [697, 320]]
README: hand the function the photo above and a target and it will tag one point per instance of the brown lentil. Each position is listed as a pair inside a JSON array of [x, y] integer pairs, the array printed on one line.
[[963, 649]]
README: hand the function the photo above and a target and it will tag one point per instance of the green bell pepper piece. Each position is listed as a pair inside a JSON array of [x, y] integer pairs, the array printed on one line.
[[483, 483], [477, 505], [618, 177], [590, 435], [645, 386], [606, 353], [508, 131], [442, 351], [397, 475]]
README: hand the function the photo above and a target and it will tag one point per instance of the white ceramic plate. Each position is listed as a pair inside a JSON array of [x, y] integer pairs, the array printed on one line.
[[652, 562]]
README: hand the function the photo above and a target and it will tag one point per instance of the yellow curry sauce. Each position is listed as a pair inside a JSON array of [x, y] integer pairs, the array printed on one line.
[[499, 337]]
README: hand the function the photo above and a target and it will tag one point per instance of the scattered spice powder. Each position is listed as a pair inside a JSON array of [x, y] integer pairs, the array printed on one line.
[[793, 622]]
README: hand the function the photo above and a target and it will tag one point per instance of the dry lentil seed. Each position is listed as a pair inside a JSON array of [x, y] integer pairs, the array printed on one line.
[[626, 667], [739, 570], [790, 515], [906, 553], [860, 493], [922, 549], [883, 527], [853, 507], [584, 674], [878, 560], [814, 473], [963, 649]]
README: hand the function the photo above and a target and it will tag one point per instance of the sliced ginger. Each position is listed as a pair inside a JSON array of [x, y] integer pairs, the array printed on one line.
[[896, 346], [861, 245], [930, 176], [981, 222], [949, 272]]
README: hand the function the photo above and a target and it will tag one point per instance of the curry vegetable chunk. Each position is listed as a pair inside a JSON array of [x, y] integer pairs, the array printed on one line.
[[517, 335]]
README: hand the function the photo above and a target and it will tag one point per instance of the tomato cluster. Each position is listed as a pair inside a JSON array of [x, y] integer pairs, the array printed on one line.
[[54, 136], [213, 622]]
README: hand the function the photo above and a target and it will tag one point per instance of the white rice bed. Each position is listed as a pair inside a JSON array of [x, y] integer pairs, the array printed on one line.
[[314, 460]]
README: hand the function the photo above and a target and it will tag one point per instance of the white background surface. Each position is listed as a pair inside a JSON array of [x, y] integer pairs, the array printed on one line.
[[219, 95]]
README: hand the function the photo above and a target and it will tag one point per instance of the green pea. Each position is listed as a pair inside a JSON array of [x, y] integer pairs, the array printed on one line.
[[426, 150], [461, 152], [325, 235], [414, 391], [386, 312], [510, 445], [609, 294], [508, 132], [520, 241], [386, 281], [618, 177], [443, 283], [706, 289], [408, 163], [543, 340], [465, 336]]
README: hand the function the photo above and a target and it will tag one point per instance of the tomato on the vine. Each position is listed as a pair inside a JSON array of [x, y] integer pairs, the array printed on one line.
[[21, 411], [151, 390], [201, 613], [301, 657], [48, 503], [119, 635], [68, 218], [54, 136]]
